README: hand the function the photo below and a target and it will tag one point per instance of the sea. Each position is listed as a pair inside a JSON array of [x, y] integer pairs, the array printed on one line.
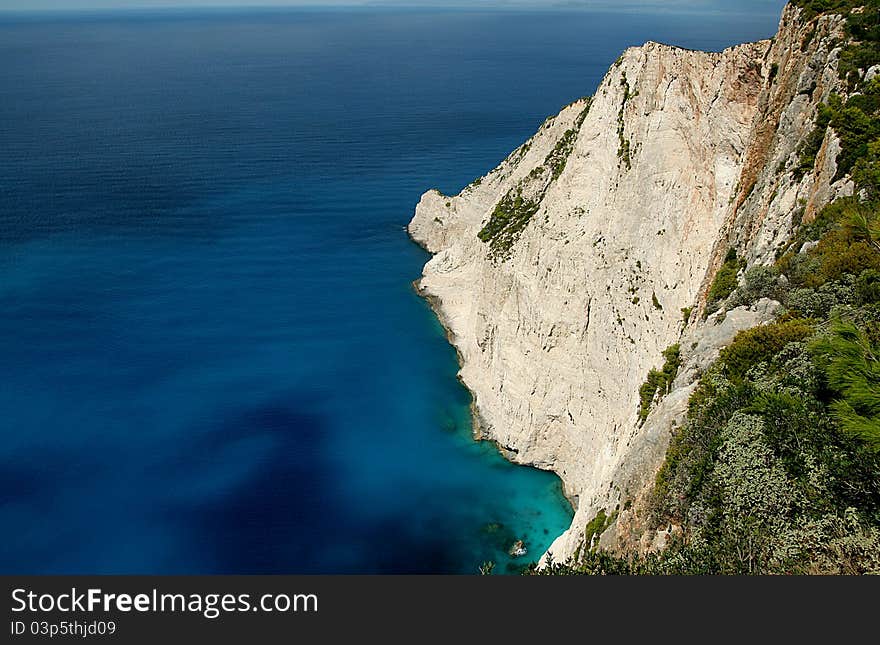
[[212, 358]]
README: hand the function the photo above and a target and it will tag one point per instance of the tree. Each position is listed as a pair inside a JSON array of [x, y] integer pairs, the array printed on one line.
[[851, 360]]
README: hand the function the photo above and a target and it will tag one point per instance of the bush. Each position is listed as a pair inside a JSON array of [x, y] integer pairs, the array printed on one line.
[[659, 381], [819, 303], [868, 287], [694, 446], [758, 282], [749, 480], [840, 256], [760, 344], [725, 281], [847, 236], [812, 8], [596, 527], [866, 171]]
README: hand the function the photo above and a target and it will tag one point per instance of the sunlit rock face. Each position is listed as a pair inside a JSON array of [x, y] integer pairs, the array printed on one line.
[[562, 274]]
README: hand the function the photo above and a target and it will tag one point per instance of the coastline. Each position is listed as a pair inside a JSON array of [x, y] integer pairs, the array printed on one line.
[[552, 357], [479, 428], [561, 291]]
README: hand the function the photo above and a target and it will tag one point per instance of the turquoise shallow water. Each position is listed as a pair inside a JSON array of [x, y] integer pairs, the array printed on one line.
[[211, 355]]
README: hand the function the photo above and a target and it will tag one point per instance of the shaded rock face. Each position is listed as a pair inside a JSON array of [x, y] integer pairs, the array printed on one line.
[[561, 275]]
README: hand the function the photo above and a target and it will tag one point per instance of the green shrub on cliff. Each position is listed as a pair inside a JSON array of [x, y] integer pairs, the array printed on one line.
[[507, 221], [659, 382], [752, 346], [725, 281], [758, 282], [596, 527], [515, 210], [845, 238], [558, 157], [856, 121]]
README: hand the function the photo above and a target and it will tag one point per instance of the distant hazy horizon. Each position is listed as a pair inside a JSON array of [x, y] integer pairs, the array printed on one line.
[[666, 6]]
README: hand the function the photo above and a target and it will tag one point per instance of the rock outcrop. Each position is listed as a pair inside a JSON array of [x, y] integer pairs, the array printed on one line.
[[561, 275]]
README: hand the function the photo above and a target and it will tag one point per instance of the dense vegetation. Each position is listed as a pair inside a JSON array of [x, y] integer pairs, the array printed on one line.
[[507, 221], [776, 468]]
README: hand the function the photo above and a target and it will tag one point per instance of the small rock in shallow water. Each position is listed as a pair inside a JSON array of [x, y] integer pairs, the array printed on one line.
[[517, 549]]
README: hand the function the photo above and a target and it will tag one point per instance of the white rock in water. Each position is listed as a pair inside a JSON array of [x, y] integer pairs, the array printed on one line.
[[517, 549]]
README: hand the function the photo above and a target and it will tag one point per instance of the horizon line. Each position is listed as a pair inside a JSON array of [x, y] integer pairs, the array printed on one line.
[[500, 7]]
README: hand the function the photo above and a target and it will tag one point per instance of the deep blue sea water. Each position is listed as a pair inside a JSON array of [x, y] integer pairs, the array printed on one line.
[[211, 357]]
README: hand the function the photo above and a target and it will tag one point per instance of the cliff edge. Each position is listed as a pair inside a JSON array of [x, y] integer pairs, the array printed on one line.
[[564, 273]]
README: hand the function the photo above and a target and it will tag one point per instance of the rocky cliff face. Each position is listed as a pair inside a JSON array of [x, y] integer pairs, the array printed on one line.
[[562, 274]]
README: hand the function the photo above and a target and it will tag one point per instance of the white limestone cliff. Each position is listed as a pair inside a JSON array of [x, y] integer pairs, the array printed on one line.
[[622, 208]]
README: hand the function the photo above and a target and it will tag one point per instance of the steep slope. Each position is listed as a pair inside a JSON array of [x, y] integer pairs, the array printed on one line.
[[775, 194], [561, 276]]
